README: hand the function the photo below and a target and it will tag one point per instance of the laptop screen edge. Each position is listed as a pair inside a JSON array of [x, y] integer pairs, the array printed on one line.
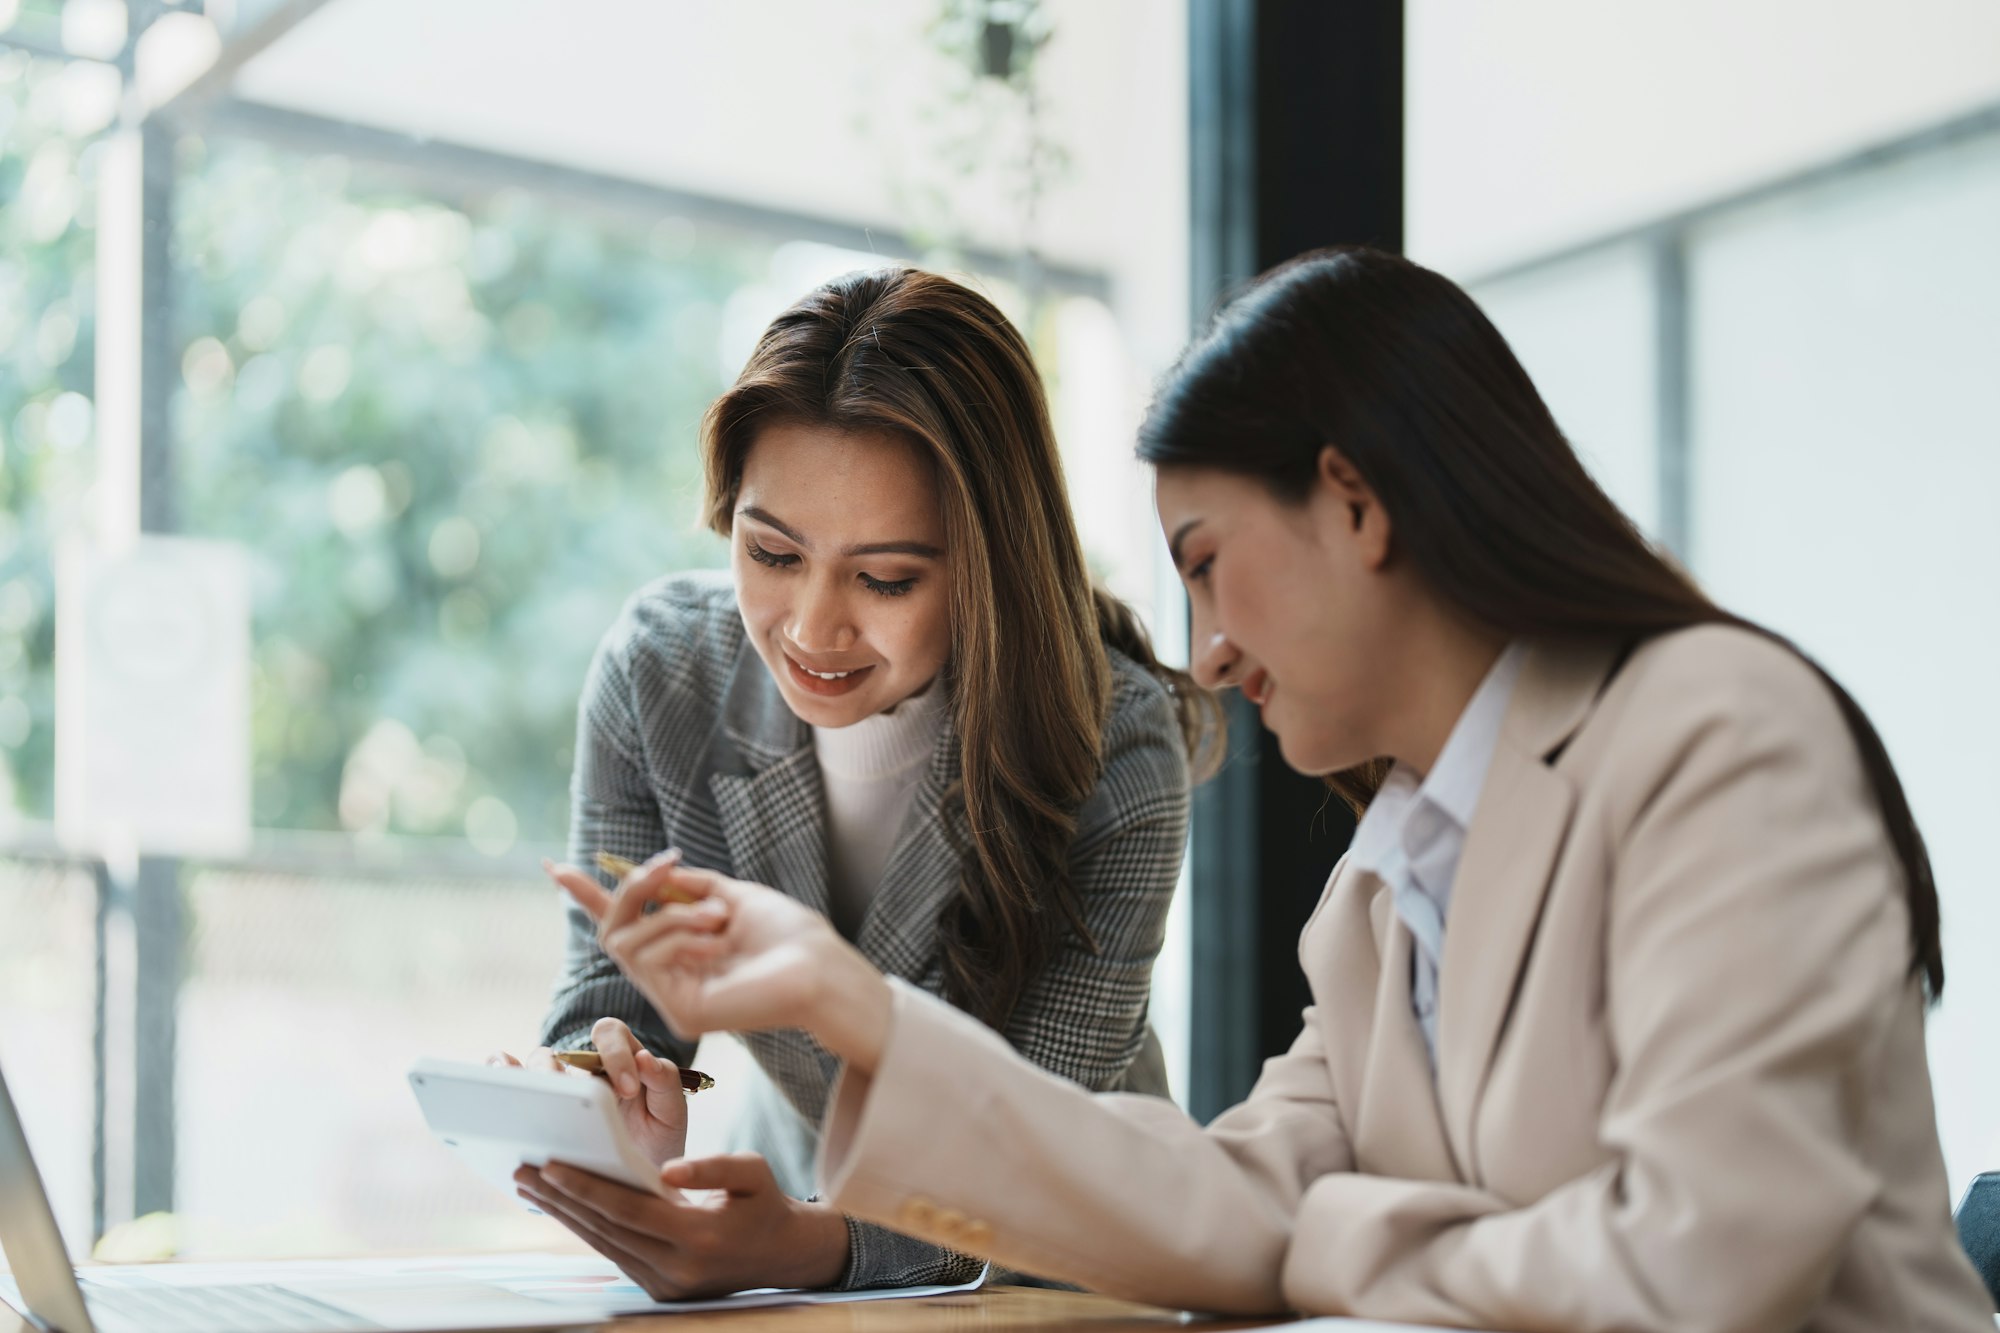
[[29, 1237]]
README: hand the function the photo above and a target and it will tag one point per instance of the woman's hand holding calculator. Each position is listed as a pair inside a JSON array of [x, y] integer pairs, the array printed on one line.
[[650, 1096]]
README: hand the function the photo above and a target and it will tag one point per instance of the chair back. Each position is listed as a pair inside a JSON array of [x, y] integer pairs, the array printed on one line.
[[1979, 1229]]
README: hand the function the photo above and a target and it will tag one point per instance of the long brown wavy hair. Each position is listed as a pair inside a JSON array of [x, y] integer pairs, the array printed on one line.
[[1400, 369], [918, 356]]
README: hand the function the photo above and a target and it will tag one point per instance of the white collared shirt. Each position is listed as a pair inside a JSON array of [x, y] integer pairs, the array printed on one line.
[[1414, 831]]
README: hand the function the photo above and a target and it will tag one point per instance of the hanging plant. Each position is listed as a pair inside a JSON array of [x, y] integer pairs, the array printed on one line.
[[995, 121]]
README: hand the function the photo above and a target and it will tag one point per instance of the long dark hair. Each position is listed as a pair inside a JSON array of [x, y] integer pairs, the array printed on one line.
[[1399, 368], [920, 357]]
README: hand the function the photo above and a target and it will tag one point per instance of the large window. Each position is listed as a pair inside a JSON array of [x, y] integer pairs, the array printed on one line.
[[1804, 375], [47, 271], [1586, 329], [453, 435], [47, 274], [426, 316], [1846, 448]]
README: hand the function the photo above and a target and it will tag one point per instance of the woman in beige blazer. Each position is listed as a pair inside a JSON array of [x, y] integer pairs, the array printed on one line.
[[1618, 998]]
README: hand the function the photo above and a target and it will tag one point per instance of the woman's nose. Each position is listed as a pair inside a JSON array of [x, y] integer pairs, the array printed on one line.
[[1216, 661], [820, 623]]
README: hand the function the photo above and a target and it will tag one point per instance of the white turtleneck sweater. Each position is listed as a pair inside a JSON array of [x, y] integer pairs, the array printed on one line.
[[870, 771]]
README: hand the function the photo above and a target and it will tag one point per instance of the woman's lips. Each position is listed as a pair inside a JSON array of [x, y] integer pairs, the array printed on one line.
[[826, 686]]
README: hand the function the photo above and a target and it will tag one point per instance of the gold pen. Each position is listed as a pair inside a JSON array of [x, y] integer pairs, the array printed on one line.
[[619, 868], [692, 1080]]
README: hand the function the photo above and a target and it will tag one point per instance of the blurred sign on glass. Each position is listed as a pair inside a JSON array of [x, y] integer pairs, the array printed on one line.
[[153, 698]]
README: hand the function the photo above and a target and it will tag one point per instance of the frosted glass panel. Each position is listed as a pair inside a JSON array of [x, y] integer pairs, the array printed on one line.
[[1584, 330], [1846, 458]]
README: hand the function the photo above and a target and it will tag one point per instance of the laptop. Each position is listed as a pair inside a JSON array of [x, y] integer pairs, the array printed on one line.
[[448, 1294], [407, 1296]]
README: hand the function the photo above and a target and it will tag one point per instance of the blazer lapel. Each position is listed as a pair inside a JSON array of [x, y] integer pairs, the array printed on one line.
[[765, 779], [1510, 856], [899, 930], [1397, 1128]]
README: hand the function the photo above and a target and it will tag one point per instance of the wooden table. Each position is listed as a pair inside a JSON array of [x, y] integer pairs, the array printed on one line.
[[992, 1310]]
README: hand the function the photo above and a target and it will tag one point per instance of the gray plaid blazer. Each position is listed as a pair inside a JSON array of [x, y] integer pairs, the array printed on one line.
[[683, 740]]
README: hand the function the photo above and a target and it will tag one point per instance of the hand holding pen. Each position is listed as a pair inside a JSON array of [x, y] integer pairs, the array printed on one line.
[[651, 1092], [592, 1062], [724, 1223], [623, 870], [617, 1054]]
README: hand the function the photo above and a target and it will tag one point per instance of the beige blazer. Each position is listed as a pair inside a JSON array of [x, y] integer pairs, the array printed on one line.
[[1681, 1080]]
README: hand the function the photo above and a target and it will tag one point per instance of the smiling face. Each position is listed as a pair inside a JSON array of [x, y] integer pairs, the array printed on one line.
[[839, 557], [1296, 604]]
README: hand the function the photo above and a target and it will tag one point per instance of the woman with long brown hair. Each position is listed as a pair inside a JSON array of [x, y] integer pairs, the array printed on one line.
[[909, 710], [1619, 991]]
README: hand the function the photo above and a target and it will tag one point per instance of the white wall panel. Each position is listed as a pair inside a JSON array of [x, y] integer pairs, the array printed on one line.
[[1846, 460]]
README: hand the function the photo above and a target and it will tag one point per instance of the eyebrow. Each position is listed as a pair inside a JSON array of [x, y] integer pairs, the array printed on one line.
[[1180, 534], [923, 550], [772, 521]]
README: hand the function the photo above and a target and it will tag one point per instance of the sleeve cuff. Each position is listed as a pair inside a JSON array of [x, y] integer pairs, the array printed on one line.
[[870, 1145]]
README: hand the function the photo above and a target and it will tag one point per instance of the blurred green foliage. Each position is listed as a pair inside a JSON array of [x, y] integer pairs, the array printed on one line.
[[452, 429], [453, 437], [47, 261]]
